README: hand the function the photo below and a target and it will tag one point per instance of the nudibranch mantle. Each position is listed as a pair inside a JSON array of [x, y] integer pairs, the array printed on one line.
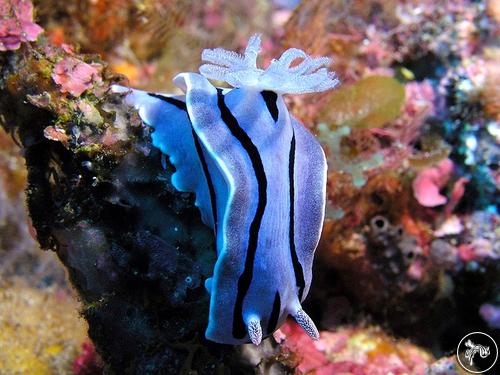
[[259, 178]]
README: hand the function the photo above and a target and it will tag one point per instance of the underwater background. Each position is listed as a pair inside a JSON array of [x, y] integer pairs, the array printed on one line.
[[103, 261]]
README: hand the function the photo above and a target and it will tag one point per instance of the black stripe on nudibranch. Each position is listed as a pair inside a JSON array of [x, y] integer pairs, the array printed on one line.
[[211, 189], [271, 99], [297, 267], [275, 314], [239, 327], [175, 102]]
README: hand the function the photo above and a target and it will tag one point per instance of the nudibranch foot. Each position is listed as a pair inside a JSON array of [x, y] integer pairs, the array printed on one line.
[[174, 136], [259, 178]]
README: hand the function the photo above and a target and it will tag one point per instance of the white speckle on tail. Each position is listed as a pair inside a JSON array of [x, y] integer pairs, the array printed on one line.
[[255, 331], [306, 323]]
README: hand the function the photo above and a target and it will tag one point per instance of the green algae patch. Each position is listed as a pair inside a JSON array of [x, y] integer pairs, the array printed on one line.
[[369, 103]]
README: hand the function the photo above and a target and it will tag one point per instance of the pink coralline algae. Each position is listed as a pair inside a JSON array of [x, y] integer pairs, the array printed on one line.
[[55, 134], [310, 357], [420, 98], [430, 181], [357, 351], [456, 194], [16, 24], [76, 76], [88, 362], [419, 104], [477, 250], [406, 129]]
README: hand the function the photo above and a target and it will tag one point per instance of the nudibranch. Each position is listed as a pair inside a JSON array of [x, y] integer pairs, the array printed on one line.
[[259, 178]]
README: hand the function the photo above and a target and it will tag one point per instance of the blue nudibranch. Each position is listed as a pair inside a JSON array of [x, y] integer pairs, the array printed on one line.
[[259, 178]]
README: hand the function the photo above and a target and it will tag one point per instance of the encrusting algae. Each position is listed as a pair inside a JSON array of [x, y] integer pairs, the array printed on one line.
[[40, 334]]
